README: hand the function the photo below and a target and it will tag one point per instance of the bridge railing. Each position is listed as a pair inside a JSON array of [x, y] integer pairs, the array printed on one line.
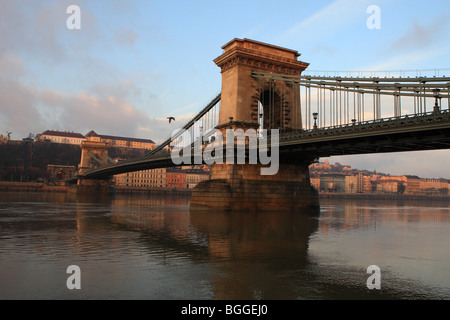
[[411, 73], [383, 123], [327, 101]]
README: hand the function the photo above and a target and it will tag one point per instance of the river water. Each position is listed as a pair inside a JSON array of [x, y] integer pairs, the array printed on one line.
[[154, 247]]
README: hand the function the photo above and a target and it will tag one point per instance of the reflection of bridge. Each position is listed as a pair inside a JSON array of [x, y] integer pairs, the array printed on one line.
[[263, 88]]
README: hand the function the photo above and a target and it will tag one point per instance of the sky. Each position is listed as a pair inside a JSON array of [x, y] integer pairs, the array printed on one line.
[[134, 63]]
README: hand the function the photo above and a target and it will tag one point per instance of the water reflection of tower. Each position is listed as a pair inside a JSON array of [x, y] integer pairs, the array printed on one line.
[[255, 253]]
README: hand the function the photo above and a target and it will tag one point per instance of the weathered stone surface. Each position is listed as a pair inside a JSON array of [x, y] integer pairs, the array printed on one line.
[[241, 187], [255, 196], [93, 154], [90, 186]]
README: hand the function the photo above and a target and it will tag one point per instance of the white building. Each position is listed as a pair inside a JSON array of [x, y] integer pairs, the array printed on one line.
[[66, 137]]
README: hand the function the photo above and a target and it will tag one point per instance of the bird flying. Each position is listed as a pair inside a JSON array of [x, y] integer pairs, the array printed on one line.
[[171, 119]]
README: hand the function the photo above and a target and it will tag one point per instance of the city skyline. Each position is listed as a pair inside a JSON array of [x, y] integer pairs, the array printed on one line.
[[132, 64]]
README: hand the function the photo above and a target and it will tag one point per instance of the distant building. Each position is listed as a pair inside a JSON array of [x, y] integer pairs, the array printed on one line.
[[176, 178], [173, 178], [358, 183], [60, 172], [364, 183], [153, 178], [315, 182], [332, 183], [351, 184], [195, 176], [122, 142], [341, 178], [66, 137], [322, 166], [412, 185], [388, 186], [433, 186]]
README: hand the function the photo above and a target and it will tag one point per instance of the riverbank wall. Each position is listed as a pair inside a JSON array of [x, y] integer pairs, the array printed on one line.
[[383, 196], [30, 187], [42, 187]]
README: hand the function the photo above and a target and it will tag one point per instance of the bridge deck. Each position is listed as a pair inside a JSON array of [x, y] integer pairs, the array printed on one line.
[[427, 132]]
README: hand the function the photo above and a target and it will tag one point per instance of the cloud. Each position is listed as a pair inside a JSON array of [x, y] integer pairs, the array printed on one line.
[[38, 49], [408, 59], [108, 113], [419, 36], [420, 43], [329, 19], [322, 49], [16, 99], [35, 29], [11, 66], [24, 108], [126, 37]]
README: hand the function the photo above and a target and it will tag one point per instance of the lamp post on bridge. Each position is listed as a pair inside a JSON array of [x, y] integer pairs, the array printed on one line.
[[436, 108], [315, 114]]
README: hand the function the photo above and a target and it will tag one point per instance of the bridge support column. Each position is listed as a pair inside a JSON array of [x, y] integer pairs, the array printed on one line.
[[245, 99], [93, 154], [241, 187], [91, 187]]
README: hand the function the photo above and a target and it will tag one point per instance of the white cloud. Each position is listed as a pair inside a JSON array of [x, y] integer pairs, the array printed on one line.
[[420, 36], [328, 20], [408, 60], [126, 37], [25, 108]]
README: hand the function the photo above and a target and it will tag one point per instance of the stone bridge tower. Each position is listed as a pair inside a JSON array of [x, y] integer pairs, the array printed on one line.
[[252, 102], [242, 92], [93, 154]]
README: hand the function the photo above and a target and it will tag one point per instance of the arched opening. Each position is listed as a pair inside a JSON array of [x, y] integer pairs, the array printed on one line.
[[270, 110]]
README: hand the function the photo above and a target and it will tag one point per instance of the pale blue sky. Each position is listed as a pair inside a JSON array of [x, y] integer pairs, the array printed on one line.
[[133, 63]]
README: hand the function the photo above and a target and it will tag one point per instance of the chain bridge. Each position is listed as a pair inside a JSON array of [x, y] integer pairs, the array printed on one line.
[[265, 88]]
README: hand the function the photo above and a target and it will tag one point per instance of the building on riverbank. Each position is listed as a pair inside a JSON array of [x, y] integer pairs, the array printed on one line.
[[327, 178], [172, 178]]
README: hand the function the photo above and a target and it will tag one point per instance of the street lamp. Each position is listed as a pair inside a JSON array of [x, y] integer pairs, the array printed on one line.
[[436, 108], [315, 114]]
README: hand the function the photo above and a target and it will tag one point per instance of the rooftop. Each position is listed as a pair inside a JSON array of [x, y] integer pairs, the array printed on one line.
[[92, 133], [68, 134]]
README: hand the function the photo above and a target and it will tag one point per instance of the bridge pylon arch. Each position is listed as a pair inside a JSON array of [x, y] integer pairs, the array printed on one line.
[[247, 102], [93, 154]]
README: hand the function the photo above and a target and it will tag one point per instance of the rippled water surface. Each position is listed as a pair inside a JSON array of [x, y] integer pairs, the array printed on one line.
[[154, 247]]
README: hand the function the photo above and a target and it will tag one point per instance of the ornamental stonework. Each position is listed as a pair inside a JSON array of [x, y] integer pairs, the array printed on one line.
[[260, 57]]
